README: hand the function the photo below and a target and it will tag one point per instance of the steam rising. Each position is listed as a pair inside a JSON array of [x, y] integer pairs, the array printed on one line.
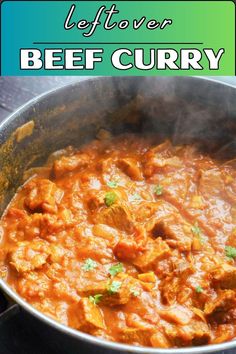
[[184, 109], [190, 111]]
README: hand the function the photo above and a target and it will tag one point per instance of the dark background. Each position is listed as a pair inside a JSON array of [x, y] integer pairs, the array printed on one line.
[[15, 91]]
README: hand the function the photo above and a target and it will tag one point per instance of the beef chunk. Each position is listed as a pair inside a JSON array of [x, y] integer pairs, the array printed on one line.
[[146, 210], [70, 163], [106, 232], [42, 195], [137, 335], [130, 167], [169, 287], [177, 314], [224, 333], [91, 290], [116, 291], [195, 333], [181, 267], [102, 333], [224, 276], [44, 225], [119, 295], [117, 216], [228, 317], [224, 301], [126, 250], [175, 228], [16, 214], [147, 277], [29, 255], [159, 340], [85, 316], [95, 200], [159, 157], [173, 288], [211, 182], [155, 251]]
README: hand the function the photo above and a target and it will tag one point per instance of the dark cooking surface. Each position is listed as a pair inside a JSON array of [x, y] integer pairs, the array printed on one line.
[[18, 334]]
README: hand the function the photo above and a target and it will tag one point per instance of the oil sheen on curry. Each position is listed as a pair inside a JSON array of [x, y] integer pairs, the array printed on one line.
[[128, 239]]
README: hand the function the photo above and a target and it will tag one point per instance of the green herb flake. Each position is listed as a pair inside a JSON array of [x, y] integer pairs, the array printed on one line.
[[230, 252], [89, 265], [95, 299], [195, 229], [135, 292], [114, 287], [158, 190], [115, 269], [198, 232], [199, 289], [135, 197], [110, 198], [112, 184]]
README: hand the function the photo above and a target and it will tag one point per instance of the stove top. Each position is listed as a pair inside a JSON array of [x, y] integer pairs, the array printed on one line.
[[17, 336]]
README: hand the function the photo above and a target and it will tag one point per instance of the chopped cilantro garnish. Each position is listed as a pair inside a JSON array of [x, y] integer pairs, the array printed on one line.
[[114, 287], [115, 269], [158, 190], [197, 232], [95, 299], [135, 292], [230, 252], [110, 198], [89, 265], [195, 229], [199, 289], [112, 184], [135, 197]]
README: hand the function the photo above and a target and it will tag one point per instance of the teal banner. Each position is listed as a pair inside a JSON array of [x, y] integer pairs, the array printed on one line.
[[117, 38]]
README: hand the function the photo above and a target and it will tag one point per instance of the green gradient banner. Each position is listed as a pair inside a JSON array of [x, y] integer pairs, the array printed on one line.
[[117, 38]]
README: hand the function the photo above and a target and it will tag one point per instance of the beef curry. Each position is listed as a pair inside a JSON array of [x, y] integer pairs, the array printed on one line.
[[128, 239]]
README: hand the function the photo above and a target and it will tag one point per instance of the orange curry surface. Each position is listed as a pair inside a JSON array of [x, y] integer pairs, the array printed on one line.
[[128, 239]]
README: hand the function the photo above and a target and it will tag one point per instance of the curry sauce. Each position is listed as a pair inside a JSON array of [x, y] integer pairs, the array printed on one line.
[[128, 239]]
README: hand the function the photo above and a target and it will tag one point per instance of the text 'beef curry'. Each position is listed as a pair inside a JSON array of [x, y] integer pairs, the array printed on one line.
[[128, 240]]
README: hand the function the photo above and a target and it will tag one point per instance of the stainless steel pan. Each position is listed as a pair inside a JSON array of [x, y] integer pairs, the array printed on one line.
[[183, 109]]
